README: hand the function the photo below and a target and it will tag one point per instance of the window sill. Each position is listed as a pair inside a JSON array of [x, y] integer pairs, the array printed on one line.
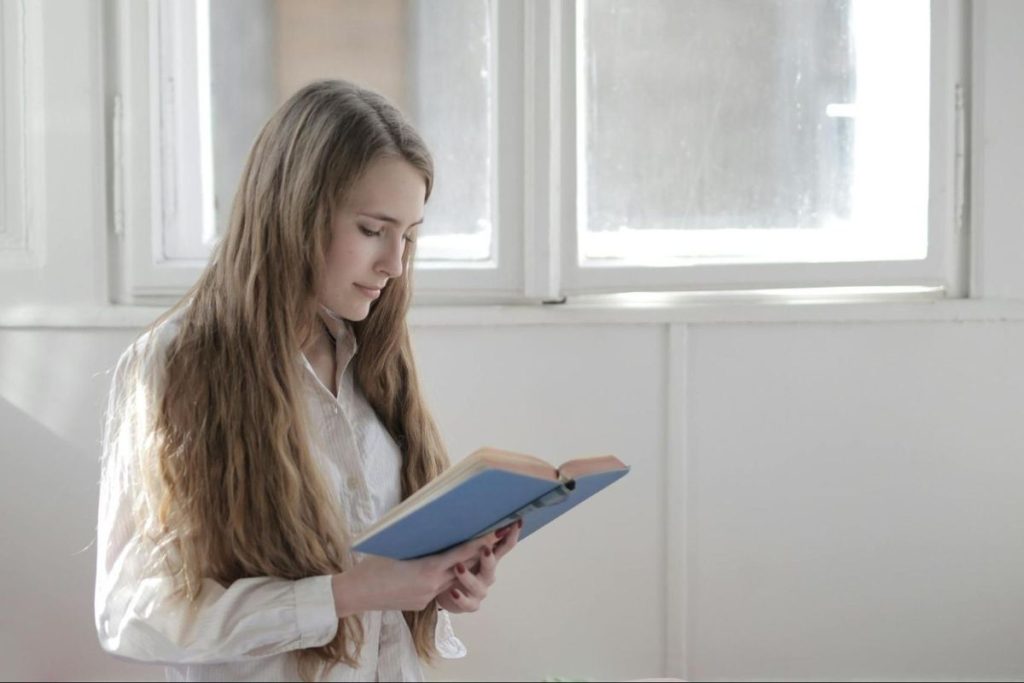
[[597, 311]]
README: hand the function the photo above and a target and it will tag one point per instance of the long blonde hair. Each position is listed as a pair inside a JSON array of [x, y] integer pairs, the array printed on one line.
[[231, 483]]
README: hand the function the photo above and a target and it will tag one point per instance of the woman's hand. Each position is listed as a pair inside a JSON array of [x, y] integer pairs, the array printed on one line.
[[380, 583], [472, 582]]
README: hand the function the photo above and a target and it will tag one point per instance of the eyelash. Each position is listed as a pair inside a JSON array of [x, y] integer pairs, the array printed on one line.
[[371, 233]]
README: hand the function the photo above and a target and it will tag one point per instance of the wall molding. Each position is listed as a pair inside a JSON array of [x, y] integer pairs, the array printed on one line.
[[952, 311], [677, 505], [19, 243]]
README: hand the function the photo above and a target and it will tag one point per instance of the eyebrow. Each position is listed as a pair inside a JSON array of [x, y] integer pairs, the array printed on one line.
[[387, 219]]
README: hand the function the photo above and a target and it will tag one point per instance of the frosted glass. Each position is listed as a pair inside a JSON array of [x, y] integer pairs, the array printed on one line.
[[432, 58], [705, 115]]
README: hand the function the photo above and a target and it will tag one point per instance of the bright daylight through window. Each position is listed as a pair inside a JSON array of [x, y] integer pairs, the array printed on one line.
[[662, 146], [253, 55], [752, 132]]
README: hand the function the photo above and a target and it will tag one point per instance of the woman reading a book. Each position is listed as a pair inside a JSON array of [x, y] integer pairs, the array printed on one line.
[[273, 414]]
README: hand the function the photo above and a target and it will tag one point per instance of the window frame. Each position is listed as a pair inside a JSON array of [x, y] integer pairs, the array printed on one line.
[[535, 172], [149, 151], [943, 268], [21, 243]]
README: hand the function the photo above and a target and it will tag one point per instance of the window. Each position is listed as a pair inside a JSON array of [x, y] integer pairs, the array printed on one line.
[[783, 131], [764, 144], [433, 60], [733, 145], [19, 246]]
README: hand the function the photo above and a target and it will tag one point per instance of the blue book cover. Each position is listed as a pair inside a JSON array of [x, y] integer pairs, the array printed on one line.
[[486, 491]]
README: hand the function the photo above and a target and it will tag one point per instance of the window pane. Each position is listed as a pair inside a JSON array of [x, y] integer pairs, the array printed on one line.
[[752, 130], [434, 65]]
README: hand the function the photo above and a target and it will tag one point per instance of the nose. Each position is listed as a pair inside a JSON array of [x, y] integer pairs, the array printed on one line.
[[390, 263]]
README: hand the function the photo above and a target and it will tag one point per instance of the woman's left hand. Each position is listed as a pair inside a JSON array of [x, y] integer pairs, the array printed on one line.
[[471, 584]]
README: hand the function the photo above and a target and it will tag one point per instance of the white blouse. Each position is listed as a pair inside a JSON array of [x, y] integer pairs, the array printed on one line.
[[246, 632]]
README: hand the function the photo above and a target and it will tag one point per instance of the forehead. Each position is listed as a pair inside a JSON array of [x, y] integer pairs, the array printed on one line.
[[392, 186]]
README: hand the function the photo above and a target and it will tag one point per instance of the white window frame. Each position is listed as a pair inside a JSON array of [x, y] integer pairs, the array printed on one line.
[[944, 267], [20, 243], [535, 183], [502, 279], [150, 150]]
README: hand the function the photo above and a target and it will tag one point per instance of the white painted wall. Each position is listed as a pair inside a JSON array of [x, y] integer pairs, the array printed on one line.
[[830, 492]]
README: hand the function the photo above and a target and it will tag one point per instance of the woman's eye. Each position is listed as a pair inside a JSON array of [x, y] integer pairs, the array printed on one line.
[[371, 233]]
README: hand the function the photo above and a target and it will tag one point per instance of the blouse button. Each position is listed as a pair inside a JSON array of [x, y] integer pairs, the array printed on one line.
[[352, 482]]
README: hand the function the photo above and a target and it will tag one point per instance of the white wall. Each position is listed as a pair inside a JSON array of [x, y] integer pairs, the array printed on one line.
[[854, 501], [828, 492]]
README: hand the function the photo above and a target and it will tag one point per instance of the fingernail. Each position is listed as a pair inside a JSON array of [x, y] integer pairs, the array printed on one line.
[[487, 552], [455, 594], [459, 568]]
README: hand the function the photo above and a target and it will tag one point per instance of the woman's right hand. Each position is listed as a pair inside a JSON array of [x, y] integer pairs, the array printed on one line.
[[380, 583]]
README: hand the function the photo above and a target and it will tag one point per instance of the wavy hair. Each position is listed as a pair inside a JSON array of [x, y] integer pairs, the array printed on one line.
[[231, 488]]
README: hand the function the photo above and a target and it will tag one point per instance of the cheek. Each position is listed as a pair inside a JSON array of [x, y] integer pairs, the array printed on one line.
[[344, 260]]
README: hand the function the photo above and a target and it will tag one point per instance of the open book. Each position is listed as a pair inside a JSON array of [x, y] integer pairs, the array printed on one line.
[[485, 491]]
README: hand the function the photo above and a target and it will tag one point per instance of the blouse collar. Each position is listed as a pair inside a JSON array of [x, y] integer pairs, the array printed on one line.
[[345, 337]]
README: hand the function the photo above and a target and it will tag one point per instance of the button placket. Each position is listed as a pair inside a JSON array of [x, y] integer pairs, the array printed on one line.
[[355, 484], [360, 495]]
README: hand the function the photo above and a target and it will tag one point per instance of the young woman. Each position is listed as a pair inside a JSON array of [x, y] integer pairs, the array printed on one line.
[[273, 414]]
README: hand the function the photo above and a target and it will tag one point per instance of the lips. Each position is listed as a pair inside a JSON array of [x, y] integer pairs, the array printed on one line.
[[373, 293]]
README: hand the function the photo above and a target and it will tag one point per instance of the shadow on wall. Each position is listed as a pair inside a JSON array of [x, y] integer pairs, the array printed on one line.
[[61, 378], [48, 502]]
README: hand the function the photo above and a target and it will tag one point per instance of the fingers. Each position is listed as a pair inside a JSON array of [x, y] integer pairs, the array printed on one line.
[[488, 566], [472, 584], [446, 602], [463, 602], [472, 591], [466, 551], [473, 548], [471, 581], [508, 542], [490, 556]]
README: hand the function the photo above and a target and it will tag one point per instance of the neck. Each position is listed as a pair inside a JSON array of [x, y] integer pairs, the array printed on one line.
[[321, 340], [330, 337]]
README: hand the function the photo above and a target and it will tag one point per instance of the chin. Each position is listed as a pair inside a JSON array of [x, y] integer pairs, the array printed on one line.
[[357, 312], [362, 315]]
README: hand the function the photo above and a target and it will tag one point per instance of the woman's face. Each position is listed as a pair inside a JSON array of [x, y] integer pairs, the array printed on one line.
[[369, 236]]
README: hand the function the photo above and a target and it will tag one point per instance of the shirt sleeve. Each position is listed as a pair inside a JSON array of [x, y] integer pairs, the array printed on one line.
[[397, 658], [448, 644], [137, 612]]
